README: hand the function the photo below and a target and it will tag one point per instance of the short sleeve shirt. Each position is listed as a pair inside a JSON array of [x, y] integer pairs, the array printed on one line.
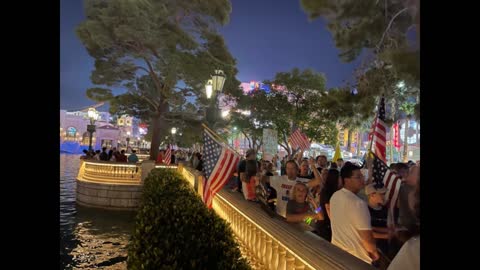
[[349, 214], [284, 186]]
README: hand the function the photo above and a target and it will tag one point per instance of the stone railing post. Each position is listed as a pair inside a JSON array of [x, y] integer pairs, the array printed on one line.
[[290, 261], [282, 256], [258, 243], [299, 265], [274, 261], [268, 255], [147, 166]]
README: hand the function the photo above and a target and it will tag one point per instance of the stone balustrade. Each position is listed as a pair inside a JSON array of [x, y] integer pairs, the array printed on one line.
[[110, 172], [274, 242]]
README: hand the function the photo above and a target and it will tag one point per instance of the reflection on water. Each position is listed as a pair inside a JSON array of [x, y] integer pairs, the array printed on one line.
[[89, 238]]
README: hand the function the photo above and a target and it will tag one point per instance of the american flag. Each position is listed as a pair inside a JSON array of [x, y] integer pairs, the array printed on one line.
[[379, 133], [299, 140], [384, 177], [219, 165], [168, 156]]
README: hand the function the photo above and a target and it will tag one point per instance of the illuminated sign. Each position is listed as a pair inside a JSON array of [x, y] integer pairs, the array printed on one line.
[[253, 85]]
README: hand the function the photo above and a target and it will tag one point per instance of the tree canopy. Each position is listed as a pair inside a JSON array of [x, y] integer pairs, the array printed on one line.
[[381, 28], [160, 52], [295, 103]]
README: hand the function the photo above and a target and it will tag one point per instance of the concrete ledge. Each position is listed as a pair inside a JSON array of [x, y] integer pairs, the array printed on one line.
[[108, 196], [317, 252]]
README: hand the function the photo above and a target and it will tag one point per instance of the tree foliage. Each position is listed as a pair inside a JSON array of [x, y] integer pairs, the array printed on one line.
[[381, 28], [296, 104], [367, 24], [160, 52]]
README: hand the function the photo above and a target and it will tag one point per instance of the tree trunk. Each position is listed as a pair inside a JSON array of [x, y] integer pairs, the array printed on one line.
[[405, 141], [359, 142], [158, 122], [259, 145], [248, 139], [285, 145], [289, 151], [156, 126], [349, 140]]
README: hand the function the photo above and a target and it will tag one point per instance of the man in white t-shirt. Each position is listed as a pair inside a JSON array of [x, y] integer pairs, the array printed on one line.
[[284, 184], [350, 218]]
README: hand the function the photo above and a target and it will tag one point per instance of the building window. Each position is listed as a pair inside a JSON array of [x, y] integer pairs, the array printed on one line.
[[71, 132]]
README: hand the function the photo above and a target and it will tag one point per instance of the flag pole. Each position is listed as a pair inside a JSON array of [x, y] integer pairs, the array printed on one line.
[[369, 154]]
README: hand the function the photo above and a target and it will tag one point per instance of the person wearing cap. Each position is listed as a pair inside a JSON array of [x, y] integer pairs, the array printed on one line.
[[378, 215]]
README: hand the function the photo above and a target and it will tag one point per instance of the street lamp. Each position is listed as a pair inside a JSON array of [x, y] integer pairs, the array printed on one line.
[[225, 114], [209, 88], [93, 116], [218, 80], [214, 85]]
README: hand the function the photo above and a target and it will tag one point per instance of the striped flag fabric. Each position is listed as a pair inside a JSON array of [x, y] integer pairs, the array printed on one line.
[[299, 140], [219, 165], [384, 177], [380, 133], [168, 155]]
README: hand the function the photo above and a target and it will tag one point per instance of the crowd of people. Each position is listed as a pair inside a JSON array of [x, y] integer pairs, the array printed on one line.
[[193, 159], [112, 154], [334, 200], [337, 202]]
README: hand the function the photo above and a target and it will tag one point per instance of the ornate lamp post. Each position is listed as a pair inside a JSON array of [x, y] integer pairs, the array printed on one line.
[[93, 116], [214, 86]]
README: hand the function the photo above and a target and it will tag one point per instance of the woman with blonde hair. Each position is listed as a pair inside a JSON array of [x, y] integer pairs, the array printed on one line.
[[299, 205]]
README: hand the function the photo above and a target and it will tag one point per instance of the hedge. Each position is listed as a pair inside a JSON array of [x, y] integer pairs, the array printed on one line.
[[174, 229]]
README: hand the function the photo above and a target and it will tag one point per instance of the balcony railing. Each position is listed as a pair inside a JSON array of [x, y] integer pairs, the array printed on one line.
[[110, 172], [273, 242]]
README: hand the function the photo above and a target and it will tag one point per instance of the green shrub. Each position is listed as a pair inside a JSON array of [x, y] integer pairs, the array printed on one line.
[[174, 229]]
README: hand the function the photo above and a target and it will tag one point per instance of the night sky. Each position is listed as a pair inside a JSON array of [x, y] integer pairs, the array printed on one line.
[[265, 37]]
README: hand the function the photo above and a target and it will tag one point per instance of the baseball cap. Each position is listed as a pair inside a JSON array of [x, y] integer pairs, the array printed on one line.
[[369, 189]]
